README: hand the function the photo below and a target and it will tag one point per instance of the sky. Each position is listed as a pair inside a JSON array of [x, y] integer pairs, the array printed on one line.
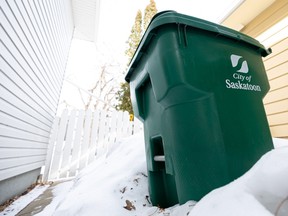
[[117, 17], [115, 22]]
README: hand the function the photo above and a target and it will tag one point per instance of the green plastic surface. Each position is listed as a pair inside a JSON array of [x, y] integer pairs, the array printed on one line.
[[198, 88]]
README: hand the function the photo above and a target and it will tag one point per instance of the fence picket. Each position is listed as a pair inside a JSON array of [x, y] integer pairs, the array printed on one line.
[[59, 146], [77, 140], [51, 145], [68, 144], [126, 124], [77, 145], [113, 127], [107, 131], [119, 125], [86, 139], [94, 132]]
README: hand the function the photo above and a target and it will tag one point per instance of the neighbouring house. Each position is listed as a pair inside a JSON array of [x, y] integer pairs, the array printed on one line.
[[267, 21], [34, 45]]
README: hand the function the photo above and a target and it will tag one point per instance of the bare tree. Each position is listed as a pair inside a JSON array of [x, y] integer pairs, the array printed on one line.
[[96, 88], [103, 93]]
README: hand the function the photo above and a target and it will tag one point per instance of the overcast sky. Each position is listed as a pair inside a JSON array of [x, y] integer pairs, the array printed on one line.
[[117, 17]]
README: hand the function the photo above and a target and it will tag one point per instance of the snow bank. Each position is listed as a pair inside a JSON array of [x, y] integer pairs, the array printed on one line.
[[259, 192], [117, 185], [105, 185]]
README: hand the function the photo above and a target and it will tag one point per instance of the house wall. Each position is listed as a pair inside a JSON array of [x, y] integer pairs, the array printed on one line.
[[276, 64], [35, 41], [276, 101]]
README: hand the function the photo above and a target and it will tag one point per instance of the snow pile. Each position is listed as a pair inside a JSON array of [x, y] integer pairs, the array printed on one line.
[[117, 185], [259, 192]]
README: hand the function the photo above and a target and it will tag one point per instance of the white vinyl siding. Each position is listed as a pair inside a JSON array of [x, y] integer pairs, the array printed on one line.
[[35, 41]]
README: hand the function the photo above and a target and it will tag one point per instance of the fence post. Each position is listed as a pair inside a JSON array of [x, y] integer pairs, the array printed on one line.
[[59, 145], [50, 149]]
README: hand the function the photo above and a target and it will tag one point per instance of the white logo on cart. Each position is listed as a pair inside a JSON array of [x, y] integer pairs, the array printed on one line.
[[236, 61], [240, 79]]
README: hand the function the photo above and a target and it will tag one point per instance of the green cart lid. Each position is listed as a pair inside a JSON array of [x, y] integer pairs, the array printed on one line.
[[172, 17]]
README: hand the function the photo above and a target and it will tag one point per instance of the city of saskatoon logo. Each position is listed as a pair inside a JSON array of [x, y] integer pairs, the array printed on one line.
[[238, 62], [240, 77]]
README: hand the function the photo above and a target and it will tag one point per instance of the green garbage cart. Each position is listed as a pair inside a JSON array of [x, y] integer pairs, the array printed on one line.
[[198, 88]]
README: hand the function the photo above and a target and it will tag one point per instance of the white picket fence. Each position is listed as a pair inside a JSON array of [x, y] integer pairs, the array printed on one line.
[[79, 137]]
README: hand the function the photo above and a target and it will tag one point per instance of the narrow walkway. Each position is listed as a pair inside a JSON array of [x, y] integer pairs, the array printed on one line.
[[37, 205]]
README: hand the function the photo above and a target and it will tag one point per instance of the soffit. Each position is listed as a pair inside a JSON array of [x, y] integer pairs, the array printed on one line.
[[245, 13], [86, 18]]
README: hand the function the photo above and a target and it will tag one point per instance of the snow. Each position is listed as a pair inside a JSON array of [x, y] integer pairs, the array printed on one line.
[[105, 187], [258, 192], [23, 201]]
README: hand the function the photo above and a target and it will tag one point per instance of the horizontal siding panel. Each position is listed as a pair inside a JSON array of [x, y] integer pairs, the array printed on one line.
[[61, 27], [279, 131], [20, 134], [15, 153], [20, 143], [12, 80], [19, 65], [277, 95], [26, 38], [276, 101], [69, 29], [280, 70], [277, 107], [23, 104], [8, 173], [41, 41], [278, 119], [37, 7], [276, 64], [9, 88], [278, 48], [11, 109], [279, 82], [20, 161], [31, 36], [23, 70], [21, 125], [62, 16], [16, 87], [276, 60], [19, 37], [32, 26], [35, 41], [50, 30]]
